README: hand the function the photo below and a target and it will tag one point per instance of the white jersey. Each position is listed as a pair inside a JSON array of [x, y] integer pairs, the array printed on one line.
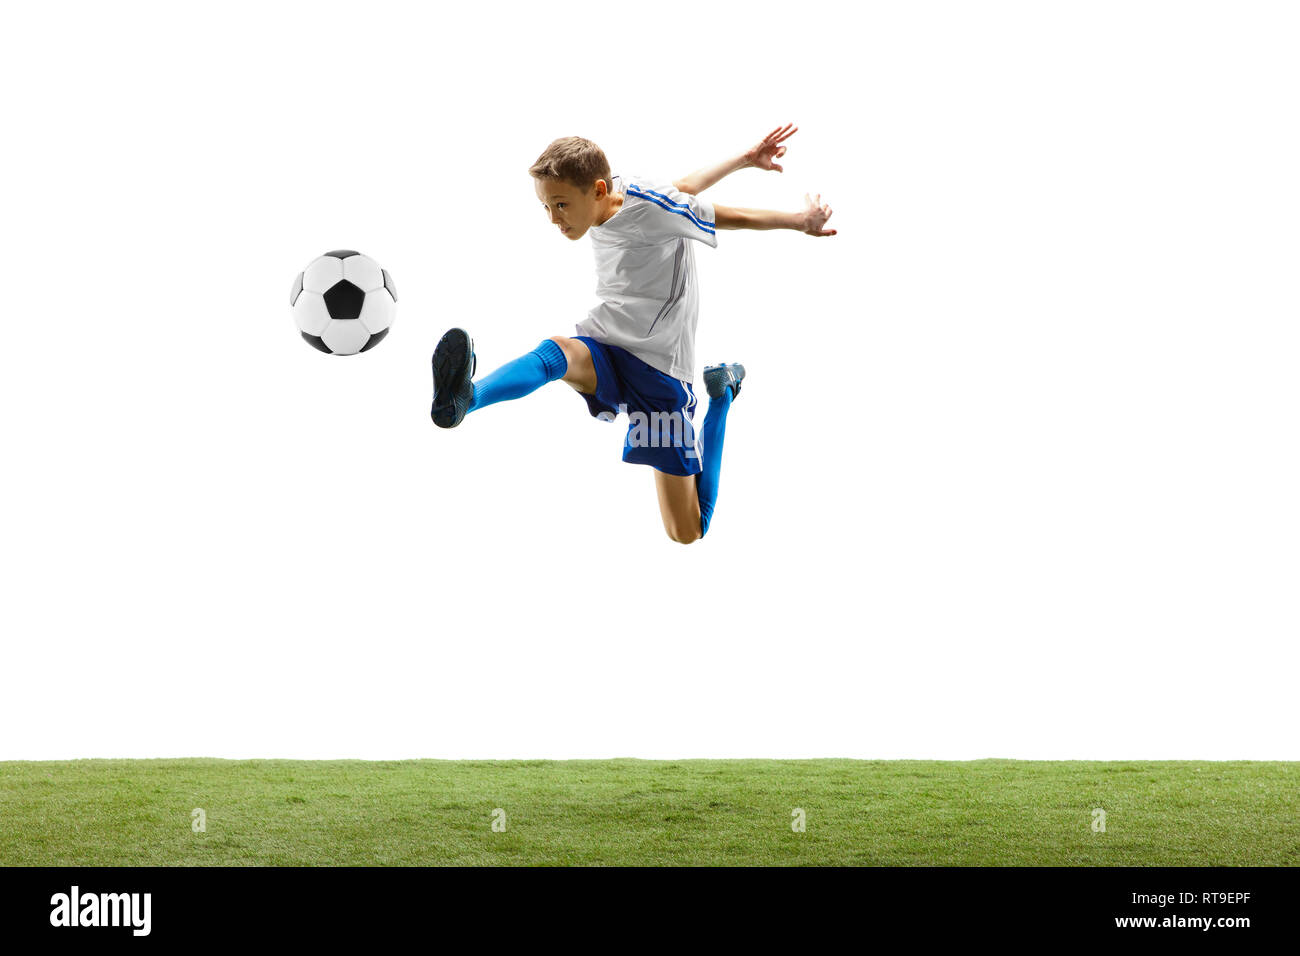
[[645, 274]]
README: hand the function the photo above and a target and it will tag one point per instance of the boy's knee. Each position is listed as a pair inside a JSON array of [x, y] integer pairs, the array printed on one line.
[[683, 535], [567, 346], [580, 371]]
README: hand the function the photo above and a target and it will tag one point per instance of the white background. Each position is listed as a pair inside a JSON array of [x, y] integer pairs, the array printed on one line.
[[1014, 474]]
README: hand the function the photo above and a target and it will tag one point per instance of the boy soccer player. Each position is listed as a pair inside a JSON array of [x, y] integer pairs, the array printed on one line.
[[635, 352]]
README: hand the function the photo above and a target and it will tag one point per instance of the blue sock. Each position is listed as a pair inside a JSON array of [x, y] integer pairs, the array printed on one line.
[[711, 437], [525, 374]]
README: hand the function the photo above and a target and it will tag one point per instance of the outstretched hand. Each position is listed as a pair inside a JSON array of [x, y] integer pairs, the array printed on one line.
[[770, 148], [815, 215]]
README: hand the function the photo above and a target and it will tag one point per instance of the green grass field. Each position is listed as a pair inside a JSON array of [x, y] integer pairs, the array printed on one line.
[[986, 812]]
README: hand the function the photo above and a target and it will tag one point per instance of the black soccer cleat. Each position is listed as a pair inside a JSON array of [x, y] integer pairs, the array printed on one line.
[[717, 378], [453, 373]]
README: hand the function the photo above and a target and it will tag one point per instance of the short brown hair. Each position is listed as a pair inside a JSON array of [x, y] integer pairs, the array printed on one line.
[[577, 161]]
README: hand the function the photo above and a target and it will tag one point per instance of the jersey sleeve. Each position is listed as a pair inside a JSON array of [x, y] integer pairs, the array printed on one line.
[[670, 214]]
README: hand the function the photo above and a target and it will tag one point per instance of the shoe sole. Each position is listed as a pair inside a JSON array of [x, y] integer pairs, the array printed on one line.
[[452, 364]]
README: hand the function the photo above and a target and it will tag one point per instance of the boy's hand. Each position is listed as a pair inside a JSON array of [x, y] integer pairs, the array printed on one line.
[[815, 216], [770, 148]]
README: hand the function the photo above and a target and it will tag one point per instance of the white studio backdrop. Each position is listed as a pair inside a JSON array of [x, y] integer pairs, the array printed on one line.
[[1014, 472]]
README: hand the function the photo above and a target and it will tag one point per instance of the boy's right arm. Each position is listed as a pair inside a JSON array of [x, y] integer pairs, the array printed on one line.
[[761, 156]]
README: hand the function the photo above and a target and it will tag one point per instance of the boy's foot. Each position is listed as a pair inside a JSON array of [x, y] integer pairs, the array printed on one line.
[[453, 374], [718, 378]]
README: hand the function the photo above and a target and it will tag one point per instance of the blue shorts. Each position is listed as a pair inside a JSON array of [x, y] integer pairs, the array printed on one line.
[[660, 409]]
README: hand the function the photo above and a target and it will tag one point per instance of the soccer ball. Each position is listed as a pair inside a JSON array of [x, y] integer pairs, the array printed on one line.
[[343, 303]]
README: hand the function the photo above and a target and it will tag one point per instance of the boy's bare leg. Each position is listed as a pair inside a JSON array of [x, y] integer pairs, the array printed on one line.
[[686, 503], [582, 373], [679, 506], [679, 501]]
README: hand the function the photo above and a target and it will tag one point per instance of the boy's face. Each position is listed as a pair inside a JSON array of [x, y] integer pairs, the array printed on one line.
[[571, 210]]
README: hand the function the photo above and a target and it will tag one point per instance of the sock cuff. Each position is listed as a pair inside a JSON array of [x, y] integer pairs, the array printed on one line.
[[553, 359]]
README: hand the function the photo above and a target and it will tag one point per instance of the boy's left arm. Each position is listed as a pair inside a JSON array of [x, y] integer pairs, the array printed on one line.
[[761, 156], [811, 221]]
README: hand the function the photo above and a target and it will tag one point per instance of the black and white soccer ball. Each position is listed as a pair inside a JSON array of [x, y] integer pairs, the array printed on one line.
[[343, 303]]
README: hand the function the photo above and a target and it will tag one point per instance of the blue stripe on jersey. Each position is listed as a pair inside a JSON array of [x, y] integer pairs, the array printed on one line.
[[679, 208]]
